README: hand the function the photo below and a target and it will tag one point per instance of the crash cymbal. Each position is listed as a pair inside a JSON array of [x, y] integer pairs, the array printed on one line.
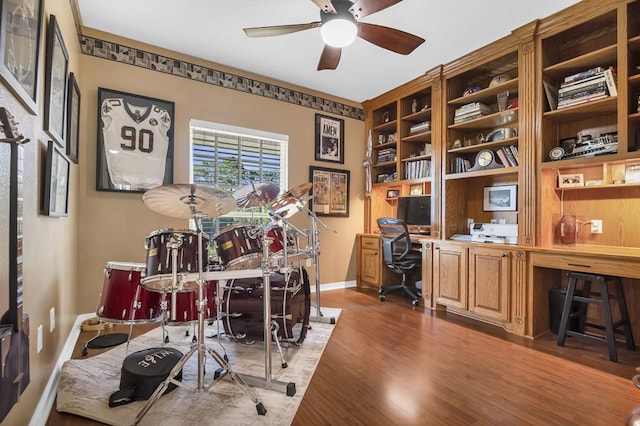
[[256, 194], [185, 200], [292, 200]]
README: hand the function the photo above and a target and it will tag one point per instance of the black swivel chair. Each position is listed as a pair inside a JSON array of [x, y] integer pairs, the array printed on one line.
[[396, 249]]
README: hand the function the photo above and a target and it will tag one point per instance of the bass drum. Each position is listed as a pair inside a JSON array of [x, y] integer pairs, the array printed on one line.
[[160, 259], [238, 248], [187, 305], [243, 310], [123, 298]]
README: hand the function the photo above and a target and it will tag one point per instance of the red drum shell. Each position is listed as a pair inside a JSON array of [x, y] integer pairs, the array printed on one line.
[[237, 249], [276, 237], [187, 305], [123, 298]]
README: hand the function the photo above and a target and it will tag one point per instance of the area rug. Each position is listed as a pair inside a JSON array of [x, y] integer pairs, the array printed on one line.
[[85, 384]]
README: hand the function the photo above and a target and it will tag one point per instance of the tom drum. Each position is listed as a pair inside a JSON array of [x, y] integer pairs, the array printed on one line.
[[238, 248]]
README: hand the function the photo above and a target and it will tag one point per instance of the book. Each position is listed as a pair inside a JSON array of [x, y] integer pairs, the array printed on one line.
[[584, 99], [583, 74], [552, 95], [611, 81], [597, 81], [514, 150], [512, 159], [503, 158], [582, 81]]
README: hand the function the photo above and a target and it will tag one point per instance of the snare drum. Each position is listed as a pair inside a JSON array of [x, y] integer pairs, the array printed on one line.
[[243, 308], [187, 305], [159, 245], [123, 299], [238, 249]]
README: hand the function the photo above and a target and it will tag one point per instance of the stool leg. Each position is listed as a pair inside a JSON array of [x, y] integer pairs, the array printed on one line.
[[566, 310], [608, 320], [584, 306], [624, 313]]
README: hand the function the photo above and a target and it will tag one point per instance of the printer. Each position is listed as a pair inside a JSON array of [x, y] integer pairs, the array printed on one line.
[[498, 233]]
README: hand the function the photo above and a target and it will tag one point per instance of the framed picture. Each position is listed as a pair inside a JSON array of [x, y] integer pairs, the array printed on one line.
[[135, 142], [415, 189], [329, 139], [55, 200], [393, 193], [20, 35], [73, 119], [330, 191], [570, 181], [55, 90], [500, 198]]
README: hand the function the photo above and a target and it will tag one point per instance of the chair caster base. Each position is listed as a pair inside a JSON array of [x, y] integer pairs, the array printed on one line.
[[415, 302], [381, 297]]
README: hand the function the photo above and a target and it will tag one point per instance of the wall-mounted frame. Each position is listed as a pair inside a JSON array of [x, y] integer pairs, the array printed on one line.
[[393, 193], [570, 181], [415, 189], [55, 199], [329, 139], [135, 142], [500, 198], [73, 119], [20, 35], [55, 91], [330, 191]]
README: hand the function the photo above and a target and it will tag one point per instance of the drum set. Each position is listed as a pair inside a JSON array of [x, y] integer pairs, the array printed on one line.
[[180, 284]]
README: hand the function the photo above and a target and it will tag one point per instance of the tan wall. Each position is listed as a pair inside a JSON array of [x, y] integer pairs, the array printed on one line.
[[113, 226], [64, 258]]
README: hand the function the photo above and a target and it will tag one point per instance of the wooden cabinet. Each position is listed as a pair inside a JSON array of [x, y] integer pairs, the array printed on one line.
[[473, 279], [371, 271]]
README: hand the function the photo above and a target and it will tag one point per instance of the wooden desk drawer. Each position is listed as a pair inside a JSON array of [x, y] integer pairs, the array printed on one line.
[[593, 264], [370, 243]]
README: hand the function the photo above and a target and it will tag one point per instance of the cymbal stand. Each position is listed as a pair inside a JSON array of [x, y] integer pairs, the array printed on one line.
[[173, 245], [200, 347], [315, 244]]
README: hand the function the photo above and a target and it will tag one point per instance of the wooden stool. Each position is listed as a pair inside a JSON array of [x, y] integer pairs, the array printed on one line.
[[585, 296]]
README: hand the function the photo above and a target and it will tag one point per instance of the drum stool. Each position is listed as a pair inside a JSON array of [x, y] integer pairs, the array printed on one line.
[[602, 298]]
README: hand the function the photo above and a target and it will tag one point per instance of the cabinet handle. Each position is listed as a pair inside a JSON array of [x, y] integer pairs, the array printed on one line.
[[578, 264], [504, 254]]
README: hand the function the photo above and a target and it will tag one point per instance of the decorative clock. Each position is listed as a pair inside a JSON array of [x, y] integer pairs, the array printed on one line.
[[485, 159]]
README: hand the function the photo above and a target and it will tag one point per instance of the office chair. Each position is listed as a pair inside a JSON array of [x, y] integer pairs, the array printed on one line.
[[397, 254]]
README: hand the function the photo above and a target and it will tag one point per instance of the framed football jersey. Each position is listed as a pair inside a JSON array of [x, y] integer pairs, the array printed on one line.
[[135, 142]]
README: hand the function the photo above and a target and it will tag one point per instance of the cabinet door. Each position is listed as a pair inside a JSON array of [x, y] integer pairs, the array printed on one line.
[[450, 275], [370, 268], [489, 281]]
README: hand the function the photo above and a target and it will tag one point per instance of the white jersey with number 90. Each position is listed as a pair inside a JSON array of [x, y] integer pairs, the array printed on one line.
[[136, 141]]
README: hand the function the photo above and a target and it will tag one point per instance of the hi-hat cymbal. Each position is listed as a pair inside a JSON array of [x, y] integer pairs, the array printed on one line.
[[185, 200], [256, 194], [287, 204]]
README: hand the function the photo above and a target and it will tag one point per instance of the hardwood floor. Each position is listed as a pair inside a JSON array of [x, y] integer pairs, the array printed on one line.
[[389, 363]]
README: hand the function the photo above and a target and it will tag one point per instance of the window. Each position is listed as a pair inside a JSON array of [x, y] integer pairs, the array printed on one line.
[[229, 158]]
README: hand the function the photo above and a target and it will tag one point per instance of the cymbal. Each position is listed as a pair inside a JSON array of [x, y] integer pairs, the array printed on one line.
[[289, 201], [185, 200], [256, 194]]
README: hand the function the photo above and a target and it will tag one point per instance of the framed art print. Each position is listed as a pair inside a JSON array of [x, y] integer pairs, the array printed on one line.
[[135, 142], [330, 191], [20, 31], [329, 139], [55, 200], [55, 90], [73, 119], [500, 198]]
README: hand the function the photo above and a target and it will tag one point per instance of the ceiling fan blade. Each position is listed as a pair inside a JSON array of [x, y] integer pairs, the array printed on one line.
[[325, 5], [362, 8], [330, 58], [389, 38], [277, 30]]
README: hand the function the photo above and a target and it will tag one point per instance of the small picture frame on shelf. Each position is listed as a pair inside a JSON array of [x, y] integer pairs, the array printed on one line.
[[500, 198], [393, 193], [415, 189], [570, 181]]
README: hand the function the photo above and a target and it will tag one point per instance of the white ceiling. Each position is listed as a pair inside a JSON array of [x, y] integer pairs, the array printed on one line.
[[212, 30]]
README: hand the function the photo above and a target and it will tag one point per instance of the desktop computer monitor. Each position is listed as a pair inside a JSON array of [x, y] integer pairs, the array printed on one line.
[[416, 212]]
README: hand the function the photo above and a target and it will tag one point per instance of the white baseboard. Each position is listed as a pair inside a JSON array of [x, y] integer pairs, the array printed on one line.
[[41, 413]]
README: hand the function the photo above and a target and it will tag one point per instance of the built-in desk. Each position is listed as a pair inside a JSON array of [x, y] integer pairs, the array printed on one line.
[[547, 270]]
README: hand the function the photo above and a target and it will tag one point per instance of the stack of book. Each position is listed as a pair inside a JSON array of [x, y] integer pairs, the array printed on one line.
[[508, 155], [470, 112], [460, 165], [420, 127], [417, 169], [586, 86], [386, 155]]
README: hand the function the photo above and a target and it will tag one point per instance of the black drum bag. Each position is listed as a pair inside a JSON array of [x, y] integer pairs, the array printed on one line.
[[142, 372]]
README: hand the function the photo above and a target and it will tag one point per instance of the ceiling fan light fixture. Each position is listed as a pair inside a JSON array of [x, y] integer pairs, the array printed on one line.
[[338, 32]]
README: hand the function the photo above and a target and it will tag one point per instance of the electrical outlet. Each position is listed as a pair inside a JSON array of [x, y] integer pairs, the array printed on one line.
[[39, 338], [596, 226], [52, 319]]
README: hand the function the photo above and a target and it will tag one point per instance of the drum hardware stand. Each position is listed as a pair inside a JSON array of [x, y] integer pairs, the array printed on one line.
[[315, 244], [200, 347]]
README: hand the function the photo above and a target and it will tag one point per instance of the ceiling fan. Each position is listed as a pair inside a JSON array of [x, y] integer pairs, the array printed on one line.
[[339, 25]]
